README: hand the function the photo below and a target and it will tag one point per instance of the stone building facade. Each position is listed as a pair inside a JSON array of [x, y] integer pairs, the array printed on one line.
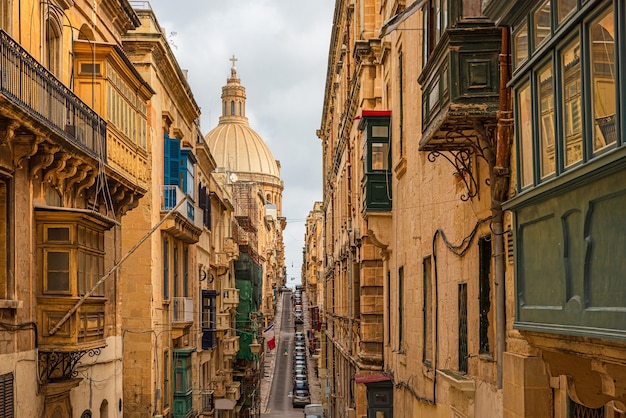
[[472, 165], [70, 170], [414, 321]]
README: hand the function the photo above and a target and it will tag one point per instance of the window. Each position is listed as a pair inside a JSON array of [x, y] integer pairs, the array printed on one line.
[[175, 282], [428, 311], [572, 118], [542, 23], [53, 31], [602, 38], [520, 45], [401, 96], [567, 104], [565, 8], [462, 323], [525, 135], [435, 23], [185, 270], [208, 317], [401, 308], [546, 120], [484, 292], [6, 8], [166, 269], [5, 237], [72, 255], [166, 379], [389, 307]]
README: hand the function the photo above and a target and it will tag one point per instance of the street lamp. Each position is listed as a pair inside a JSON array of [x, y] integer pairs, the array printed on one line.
[[255, 347]]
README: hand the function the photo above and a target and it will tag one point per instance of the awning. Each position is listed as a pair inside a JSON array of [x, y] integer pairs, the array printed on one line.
[[371, 378], [392, 24]]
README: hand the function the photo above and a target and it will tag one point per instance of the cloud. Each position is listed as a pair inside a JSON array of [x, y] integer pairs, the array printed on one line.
[[282, 51]]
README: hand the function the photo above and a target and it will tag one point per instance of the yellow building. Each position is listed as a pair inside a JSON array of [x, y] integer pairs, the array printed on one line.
[[70, 169], [180, 301], [414, 321]]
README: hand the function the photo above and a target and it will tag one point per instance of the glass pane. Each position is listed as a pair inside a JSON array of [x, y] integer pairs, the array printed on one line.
[[520, 45], [525, 135], [572, 118], [603, 80], [380, 156], [542, 23], [59, 234], [565, 8], [58, 279], [380, 131], [546, 118]]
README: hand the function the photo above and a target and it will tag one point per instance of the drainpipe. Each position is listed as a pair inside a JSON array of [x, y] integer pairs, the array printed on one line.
[[501, 176]]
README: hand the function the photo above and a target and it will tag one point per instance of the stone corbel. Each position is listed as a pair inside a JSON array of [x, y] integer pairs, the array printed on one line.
[[24, 146], [82, 171], [87, 182], [43, 158], [55, 169]]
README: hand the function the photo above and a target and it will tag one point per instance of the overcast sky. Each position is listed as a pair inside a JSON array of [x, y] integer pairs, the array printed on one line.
[[282, 52]]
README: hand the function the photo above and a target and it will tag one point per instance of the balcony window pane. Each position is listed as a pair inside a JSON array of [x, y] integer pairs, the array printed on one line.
[[525, 135], [546, 119], [542, 23], [565, 8], [572, 118], [520, 45], [602, 35], [59, 234], [58, 271], [380, 154]]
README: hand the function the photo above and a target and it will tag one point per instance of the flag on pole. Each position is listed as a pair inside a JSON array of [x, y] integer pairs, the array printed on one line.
[[268, 333]]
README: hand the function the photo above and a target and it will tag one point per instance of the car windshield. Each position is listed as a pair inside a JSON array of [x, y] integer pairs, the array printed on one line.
[[302, 393]]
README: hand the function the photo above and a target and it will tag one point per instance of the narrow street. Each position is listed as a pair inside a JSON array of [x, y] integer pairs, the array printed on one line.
[[281, 378]]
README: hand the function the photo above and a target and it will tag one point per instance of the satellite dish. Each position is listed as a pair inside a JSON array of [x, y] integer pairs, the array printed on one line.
[[233, 177]]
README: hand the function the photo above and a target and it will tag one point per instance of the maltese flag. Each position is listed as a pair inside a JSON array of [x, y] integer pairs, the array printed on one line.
[[268, 333]]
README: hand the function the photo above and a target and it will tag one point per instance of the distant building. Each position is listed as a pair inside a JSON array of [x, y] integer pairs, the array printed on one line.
[[249, 172]]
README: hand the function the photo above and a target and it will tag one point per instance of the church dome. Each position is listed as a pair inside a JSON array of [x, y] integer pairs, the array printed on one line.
[[233, 143]]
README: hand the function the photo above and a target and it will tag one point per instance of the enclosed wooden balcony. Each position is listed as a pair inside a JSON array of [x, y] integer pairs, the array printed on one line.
[[222, 321], [460, 86]]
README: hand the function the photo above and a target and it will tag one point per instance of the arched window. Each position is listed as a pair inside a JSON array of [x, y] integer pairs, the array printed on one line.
[[240, 112], [53, 41], [232, 108]]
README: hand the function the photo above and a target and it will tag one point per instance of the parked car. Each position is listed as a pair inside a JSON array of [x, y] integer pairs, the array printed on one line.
[[300, 385], [299, 357], [301, 377], [300, 398], [314, 410], [299, 336], [299, 319], [299, 370]]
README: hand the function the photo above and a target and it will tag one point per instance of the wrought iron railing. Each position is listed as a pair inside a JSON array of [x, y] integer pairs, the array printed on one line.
[[207, 400], [26, 83]]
